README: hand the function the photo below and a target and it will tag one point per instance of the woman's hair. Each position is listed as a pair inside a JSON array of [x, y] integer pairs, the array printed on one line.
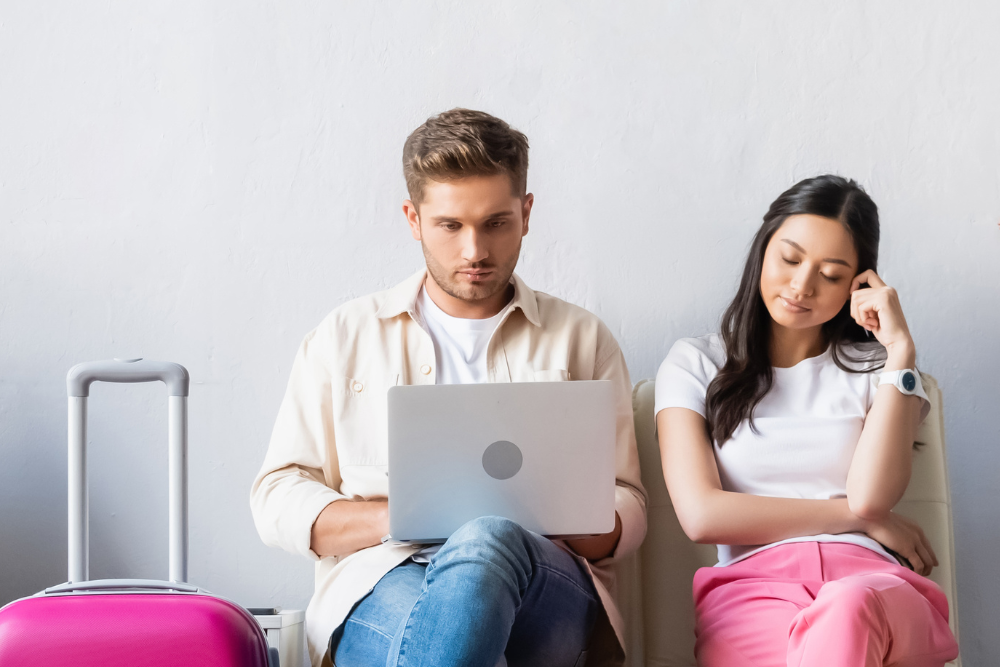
[[748, 375]]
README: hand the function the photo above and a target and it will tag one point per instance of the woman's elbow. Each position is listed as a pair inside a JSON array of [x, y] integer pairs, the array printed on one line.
[[696, 526], [869, 509]]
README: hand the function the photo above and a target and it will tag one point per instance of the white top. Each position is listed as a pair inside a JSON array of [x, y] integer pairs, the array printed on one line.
[[459, 344], [808, 426]]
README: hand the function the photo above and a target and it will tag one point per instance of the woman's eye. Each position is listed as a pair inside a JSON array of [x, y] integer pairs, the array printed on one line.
[[832, 279], [789, 261]]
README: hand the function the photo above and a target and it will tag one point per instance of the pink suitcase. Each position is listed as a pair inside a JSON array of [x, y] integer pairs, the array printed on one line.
[[129, 622]]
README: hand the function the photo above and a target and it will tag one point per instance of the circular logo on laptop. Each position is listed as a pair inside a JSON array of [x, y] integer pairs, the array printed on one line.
[[502, 460]]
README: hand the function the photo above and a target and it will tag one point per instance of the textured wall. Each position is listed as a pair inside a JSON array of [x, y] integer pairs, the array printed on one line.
[[203, 181]]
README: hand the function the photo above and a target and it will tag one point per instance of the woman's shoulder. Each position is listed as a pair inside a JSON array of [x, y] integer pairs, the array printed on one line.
[[707, 348], [684, 376]]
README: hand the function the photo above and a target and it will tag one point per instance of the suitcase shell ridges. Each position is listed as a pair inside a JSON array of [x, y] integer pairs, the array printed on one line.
[[119, 630]]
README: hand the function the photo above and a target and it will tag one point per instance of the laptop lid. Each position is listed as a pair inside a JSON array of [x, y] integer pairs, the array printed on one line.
[[539, 453]]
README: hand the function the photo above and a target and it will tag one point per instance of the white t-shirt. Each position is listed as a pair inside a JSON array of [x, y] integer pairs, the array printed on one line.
[[460, 348], [459, 344], [808, 426]]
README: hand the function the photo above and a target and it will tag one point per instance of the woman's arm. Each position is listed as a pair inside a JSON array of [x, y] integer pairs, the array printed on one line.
[[710, 515], [880, 469]]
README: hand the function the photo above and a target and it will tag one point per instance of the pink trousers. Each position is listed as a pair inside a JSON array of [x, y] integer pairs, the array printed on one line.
[[819, 604]]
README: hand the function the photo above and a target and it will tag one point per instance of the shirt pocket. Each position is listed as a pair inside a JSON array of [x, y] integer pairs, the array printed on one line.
[[361, 419], [553, 375]]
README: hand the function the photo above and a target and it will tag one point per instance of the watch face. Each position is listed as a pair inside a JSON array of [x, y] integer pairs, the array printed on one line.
[[909, 381]]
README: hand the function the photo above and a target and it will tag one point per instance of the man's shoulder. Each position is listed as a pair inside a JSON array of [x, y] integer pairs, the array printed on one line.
[[580, 324], [356, 314], [553, 310]]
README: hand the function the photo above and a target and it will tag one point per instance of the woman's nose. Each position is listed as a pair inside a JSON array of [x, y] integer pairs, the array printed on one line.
[[803, 281]]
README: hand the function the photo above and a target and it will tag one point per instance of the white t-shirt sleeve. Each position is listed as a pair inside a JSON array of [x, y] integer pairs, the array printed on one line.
[[683, 378]]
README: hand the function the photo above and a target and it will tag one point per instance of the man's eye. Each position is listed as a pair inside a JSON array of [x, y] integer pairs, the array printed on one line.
[[498, 223], [451, 227]]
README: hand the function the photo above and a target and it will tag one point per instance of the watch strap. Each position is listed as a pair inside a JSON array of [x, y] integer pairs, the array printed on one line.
[[906, 380]]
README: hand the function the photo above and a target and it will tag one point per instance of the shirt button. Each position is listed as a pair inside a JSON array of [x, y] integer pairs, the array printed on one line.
[[358, 387], [425, 369]]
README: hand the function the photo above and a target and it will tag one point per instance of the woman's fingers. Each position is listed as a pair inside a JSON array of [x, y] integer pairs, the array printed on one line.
[[926, 558], [869, 277], [927, 545], [860, 279], [921, 547], [873, 279], [865, 308], [916, 562]]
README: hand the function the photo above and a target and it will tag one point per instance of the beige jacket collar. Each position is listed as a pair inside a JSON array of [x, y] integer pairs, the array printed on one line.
[[403, 298]]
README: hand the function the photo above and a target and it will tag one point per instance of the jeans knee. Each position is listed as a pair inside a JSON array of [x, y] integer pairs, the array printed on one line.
[[490, 540], [490, 531]]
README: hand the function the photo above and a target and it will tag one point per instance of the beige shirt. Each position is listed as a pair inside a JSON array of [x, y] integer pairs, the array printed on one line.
[[330, 440]]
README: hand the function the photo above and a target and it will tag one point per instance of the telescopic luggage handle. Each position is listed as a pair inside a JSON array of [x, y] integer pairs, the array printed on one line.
[[78, 382]]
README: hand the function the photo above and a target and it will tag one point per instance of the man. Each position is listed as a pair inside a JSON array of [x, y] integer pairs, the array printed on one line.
[[494, 593]]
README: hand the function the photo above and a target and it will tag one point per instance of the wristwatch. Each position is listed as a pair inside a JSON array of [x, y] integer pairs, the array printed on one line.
[[907, 381]]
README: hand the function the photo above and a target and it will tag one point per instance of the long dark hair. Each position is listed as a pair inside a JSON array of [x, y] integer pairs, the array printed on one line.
[[747, 375]]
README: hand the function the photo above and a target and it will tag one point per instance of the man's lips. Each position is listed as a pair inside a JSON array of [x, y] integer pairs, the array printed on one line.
[[793, 306], [476, 274]]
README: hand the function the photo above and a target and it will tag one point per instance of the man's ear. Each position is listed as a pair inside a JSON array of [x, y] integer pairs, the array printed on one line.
[[526, 203], [412, 218]]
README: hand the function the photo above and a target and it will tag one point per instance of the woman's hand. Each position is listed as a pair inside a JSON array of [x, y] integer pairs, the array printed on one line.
[[877, 309], [906, 538]]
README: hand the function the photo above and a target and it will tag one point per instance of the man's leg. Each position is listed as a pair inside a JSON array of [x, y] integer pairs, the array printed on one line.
[[365, 637], [495, 586]]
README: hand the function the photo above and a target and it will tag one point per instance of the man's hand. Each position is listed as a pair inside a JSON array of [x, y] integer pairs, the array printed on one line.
[[598, 546], [346, 526]]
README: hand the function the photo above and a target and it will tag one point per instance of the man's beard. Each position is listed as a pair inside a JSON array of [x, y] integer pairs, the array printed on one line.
[[466, 292]]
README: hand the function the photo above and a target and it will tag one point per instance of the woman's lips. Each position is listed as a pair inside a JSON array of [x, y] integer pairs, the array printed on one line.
[[793, 306]]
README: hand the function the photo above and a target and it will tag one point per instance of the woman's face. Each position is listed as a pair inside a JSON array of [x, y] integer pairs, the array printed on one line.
[[809, 264]]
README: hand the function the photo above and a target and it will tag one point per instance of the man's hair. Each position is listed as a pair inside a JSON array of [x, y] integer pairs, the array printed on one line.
[[461, 143]]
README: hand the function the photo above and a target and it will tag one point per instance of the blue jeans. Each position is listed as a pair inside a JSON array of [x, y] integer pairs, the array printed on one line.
[[495, 592]]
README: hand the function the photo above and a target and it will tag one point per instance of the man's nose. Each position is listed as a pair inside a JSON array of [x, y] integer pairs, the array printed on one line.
[[474, 246]]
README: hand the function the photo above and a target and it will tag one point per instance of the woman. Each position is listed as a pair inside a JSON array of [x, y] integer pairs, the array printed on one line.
[[787, 439]]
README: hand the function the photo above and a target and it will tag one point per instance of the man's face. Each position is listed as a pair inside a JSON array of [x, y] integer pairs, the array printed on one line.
[[470, 230]]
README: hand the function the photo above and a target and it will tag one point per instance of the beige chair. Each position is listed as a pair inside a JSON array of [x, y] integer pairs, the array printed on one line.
[[655, 585]]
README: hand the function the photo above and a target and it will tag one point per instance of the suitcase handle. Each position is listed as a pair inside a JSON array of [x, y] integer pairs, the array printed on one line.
[[119, 584], [81, 376], [78, 382]]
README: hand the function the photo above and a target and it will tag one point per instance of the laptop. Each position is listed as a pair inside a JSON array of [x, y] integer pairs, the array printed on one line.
[[539, 453]]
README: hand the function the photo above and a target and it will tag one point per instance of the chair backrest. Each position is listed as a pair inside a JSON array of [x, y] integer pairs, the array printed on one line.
[[654, 586]]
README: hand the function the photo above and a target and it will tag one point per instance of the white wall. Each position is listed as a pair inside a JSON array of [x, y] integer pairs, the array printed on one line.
[[203, 181]]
